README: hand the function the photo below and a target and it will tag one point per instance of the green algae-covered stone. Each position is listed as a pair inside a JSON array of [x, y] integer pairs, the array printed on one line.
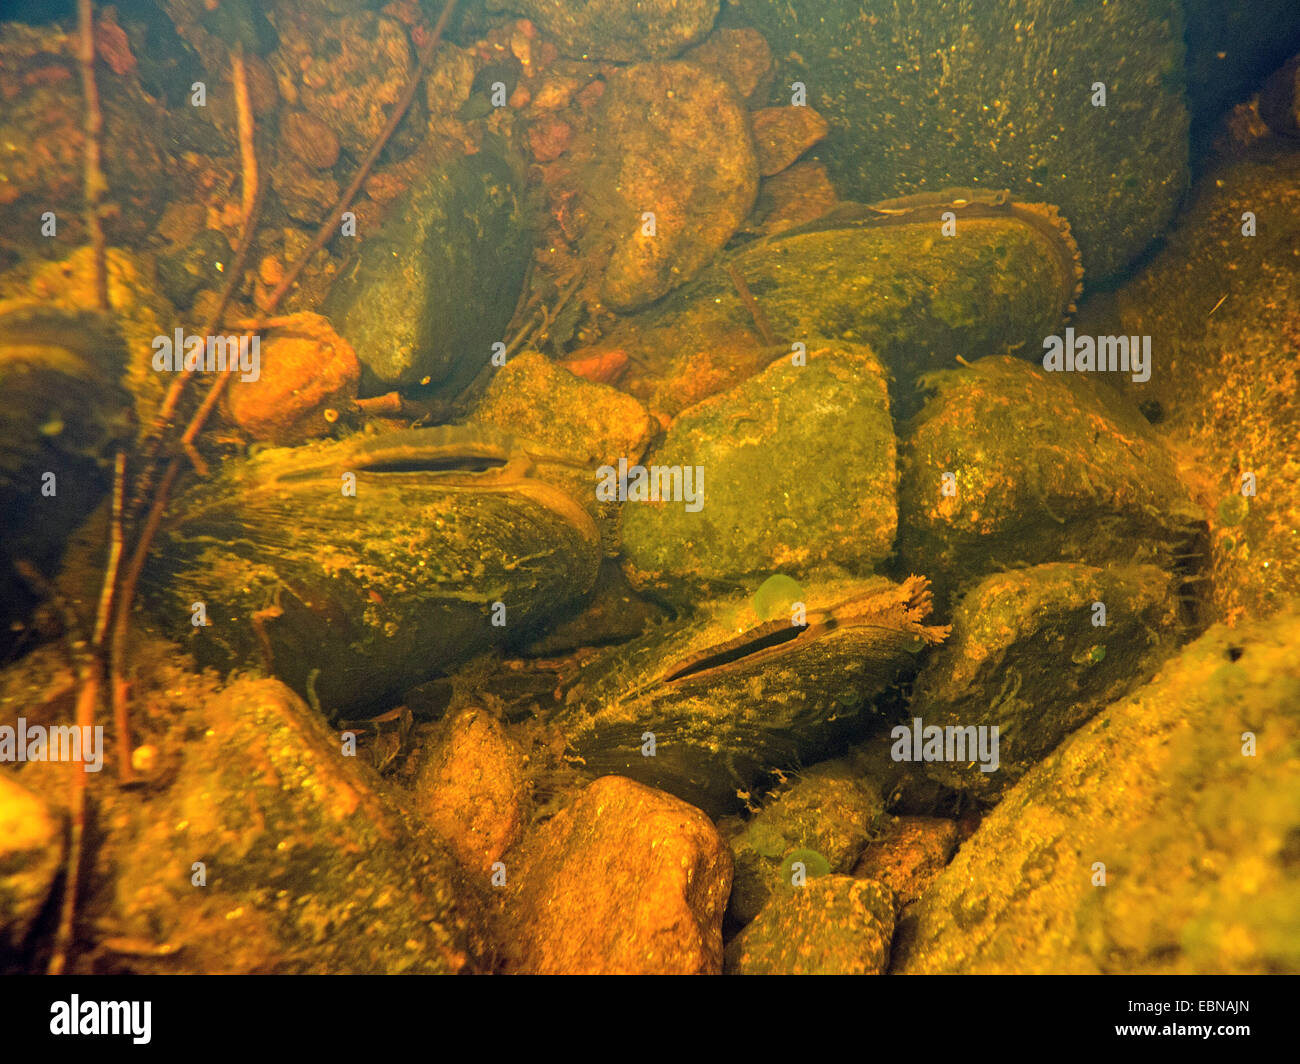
[[1027, 656], [923, 94], [886, 276], [433, 290], [353, 592], [827, 809], [1186, 794], [832, 925], [798, 475], [704, 707], [305, 870], [1045, 467]]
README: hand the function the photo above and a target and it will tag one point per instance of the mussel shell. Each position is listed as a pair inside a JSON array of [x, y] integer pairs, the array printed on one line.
[[353, 599], [62, 412], [729, 696]]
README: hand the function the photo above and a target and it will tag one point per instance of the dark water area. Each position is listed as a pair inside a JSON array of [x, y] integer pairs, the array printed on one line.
[[682, 486]]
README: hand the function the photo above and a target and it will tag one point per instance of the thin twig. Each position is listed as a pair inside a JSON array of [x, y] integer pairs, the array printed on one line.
[[248, 179], [751, 304], [95, 184]]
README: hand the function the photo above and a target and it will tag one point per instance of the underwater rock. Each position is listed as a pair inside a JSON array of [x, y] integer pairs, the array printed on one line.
[[908, 856], [782, 134], [1007, 462], [622, 30], [1185, 796], [883, 275], [353, 569], [1229, 48], [31, 854], [347, 71], [653, 118], [42, 144], [532, 397], [922, 96], [193, 266], [1222, 308], [301, 190], [832, 925], [304, 136], [471, 789], [795, 197], [63, 414], [270, 851], [1279, 99], [826, 812], [740, 56], [792, 471], [626, 880], [306, 369], [433, 290], [1027, 656], [725, 697]]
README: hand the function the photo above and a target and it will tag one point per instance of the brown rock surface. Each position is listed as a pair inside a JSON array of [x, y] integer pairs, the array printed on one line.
[[626, 880], [655, 118], [782, 134], [306, 369], [471, 789], [909, 856], [832, 925]]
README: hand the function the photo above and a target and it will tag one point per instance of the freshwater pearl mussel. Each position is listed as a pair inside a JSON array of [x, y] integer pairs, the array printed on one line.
[[704, 707], [353, 569]]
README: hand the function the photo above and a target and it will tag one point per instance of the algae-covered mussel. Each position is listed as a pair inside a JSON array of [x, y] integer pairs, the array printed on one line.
[[354, 569], [704, 707], [919, 279], [62, 415]]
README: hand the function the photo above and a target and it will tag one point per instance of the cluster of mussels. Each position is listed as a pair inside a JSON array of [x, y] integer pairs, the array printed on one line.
[[354, 569]]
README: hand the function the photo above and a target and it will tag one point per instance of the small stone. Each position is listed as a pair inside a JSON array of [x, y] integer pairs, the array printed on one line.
[[795, 196], [31, 852], [471, 789], [304, 136], [740, 55], [674, 206], [909, 855], [306, 368], [622, 30], [549, 139], [626, 880], [827, 810], [538, 400], [832, 925], [782, 134]]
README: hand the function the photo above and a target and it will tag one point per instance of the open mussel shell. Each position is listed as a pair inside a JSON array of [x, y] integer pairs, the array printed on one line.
[[449, 545], [703, 708]]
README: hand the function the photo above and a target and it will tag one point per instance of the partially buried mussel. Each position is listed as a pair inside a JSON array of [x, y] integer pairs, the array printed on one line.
[[62, 414], [355, 569], [704, 708]]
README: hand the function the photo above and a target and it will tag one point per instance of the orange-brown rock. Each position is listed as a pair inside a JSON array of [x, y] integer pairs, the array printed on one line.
[[795, 196], [782, 134], [832, 925], [306, 369], [909, 856], [549, 138], [740, 55], [306, 137], [471, 789], [626, 880], [672, 204]]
